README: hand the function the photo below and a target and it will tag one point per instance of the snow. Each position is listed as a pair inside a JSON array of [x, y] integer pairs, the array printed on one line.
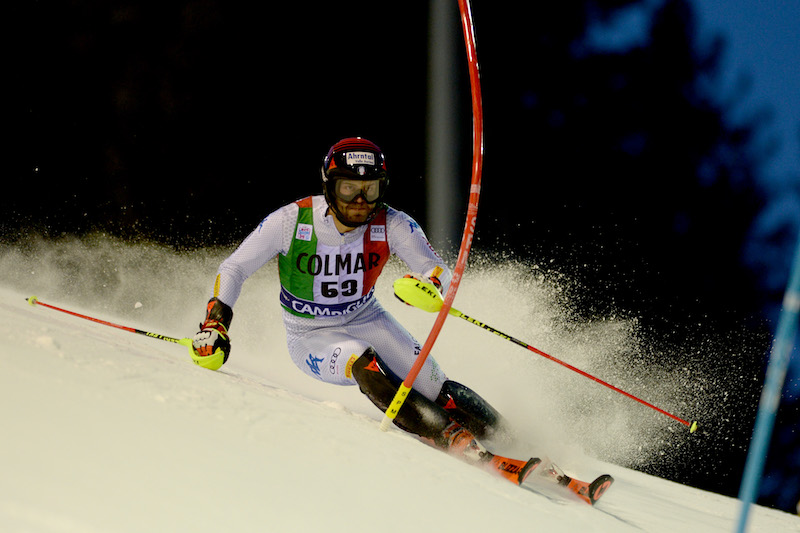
[[108, 431]]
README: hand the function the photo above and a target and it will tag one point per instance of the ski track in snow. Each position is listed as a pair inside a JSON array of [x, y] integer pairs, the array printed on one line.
[[108, 431]]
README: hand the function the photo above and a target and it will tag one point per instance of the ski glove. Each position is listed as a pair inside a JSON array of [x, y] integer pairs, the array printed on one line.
[[432, 279], [211, 346]]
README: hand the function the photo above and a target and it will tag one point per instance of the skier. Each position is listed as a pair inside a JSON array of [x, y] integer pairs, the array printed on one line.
[[331, 249]]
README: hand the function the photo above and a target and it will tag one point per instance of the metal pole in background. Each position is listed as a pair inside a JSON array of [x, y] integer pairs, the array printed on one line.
[[771, 393], [442, 127]]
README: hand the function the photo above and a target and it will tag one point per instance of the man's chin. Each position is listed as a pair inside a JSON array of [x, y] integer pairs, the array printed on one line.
[[352, 216], [357, 219]]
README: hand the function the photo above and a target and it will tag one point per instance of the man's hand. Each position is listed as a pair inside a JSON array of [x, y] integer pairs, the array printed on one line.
[[432, 279], [210, 339], [211, 345]]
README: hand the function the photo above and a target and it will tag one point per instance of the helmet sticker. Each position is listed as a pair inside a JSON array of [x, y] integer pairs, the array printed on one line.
[[360, 158]]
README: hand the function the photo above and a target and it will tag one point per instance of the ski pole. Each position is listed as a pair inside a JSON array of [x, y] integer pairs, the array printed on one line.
[[426, 297], [33, 300]]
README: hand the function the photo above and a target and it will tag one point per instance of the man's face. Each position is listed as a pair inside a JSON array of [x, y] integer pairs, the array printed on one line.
[[355, 212], [352, 199]]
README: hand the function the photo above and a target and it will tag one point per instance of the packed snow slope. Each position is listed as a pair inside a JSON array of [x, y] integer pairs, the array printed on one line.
[[108, 431]]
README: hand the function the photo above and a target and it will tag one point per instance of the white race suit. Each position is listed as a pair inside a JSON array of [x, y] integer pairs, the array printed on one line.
[[327, 288]]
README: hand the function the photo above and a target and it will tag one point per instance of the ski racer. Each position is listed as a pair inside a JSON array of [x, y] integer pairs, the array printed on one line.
[[331, 249]]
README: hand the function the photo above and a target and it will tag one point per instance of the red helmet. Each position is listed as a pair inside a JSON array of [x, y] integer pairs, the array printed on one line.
[[356, 159]]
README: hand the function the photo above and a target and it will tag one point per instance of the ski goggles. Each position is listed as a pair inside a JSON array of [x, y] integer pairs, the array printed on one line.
[[348, 190]]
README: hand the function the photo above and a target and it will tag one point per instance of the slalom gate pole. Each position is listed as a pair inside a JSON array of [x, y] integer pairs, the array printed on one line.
[[771, 393], [465, 10], [33, 300], [426, 297]]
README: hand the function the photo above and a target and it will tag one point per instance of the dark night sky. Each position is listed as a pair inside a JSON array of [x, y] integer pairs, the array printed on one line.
[[186, 122], [135, 112]]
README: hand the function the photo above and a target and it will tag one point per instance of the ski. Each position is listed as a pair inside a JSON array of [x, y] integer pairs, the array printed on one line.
[[517, 471], [588, 491], [514, 470]]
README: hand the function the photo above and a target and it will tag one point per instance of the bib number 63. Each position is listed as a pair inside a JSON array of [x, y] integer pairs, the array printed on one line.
[[332, 289]]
